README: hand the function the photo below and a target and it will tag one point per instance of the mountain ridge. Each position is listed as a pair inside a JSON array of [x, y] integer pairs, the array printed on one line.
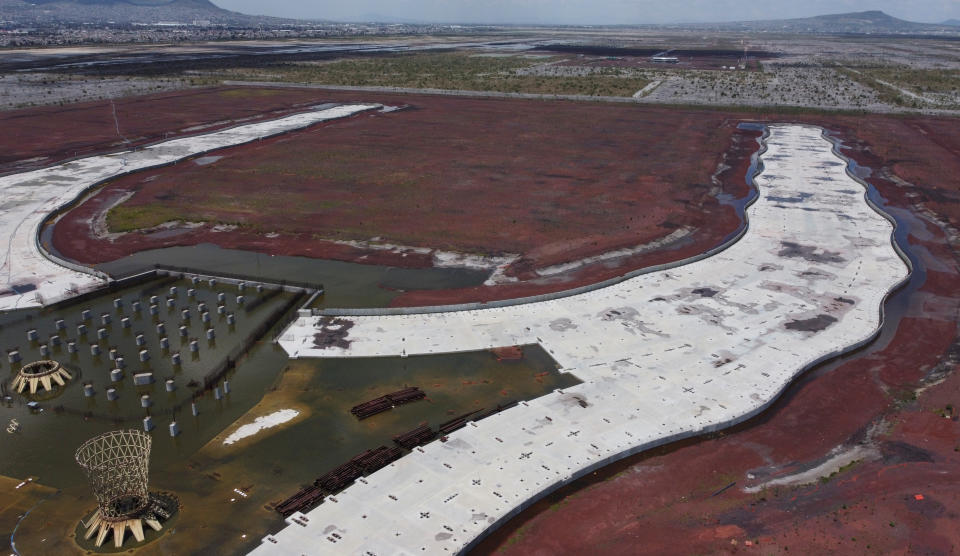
[[859, 23], [32, 12]]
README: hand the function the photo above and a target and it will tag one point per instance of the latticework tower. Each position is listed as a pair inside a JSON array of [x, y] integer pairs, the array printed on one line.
[[116, 464], [40, 373]]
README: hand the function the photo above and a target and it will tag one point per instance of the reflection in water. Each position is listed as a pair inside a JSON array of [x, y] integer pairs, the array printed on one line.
[[227, 488]]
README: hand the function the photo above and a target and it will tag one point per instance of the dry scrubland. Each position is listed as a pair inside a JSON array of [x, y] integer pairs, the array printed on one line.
[[456, 71], [827, 74], [23, 90]]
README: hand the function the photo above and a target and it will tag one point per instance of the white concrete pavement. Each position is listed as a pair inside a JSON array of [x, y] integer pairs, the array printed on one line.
[[662, 356], [27, 277]]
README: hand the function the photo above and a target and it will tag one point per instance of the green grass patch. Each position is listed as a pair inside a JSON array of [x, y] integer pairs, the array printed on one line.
[[126, 218], [842, 469]]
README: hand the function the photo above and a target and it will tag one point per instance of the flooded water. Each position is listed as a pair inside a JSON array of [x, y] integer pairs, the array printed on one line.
[[346, 284], [197, 465]]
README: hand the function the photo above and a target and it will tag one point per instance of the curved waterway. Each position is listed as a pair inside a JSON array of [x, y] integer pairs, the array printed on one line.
[[345, 284], [663, 356]]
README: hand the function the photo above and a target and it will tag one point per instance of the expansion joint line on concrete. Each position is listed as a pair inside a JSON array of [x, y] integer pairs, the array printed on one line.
[[662, 356]]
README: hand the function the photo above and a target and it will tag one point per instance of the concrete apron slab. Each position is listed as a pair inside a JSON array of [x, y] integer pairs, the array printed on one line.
[[662, 356], [28, 277]]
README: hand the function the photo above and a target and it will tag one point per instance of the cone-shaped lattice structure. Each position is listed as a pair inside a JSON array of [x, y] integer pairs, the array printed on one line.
[[117, 464], [40, 373]]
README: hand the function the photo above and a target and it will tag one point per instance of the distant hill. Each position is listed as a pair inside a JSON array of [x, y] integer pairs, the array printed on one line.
[[124, 11], [860, 23], [952, 22]]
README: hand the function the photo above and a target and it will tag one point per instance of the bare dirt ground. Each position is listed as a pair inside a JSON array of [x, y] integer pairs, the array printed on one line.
[[857, 458], [552, 182]]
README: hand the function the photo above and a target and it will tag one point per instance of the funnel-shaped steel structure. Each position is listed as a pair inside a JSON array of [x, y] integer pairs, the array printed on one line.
[[117, 464]]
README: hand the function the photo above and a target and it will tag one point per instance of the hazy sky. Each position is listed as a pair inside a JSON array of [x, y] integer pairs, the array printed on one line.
[[588, 11]]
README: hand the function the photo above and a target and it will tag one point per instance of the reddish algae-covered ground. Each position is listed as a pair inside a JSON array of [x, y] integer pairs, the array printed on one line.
[[36, 137], [898, 400], [901, 497], [551, 181]]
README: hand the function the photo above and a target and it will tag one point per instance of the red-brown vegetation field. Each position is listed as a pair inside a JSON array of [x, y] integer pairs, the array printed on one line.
[[897, 400], [550, 181], [41, 136], [556, 181]]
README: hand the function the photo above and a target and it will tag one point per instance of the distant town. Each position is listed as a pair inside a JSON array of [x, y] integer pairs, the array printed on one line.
[[72, 34]]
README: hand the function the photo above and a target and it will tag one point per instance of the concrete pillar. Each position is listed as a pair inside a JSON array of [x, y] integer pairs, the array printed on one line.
[[60, 324], [221, 297], [113, 354], [184, 331], [145, 400], [85, 315], [171, 302], [71, 347], [120, 363], [88, 390], [191, 293], [118, 303], [112, 394], [171, 385], [164, 343], [174, 429], [185, 314], [193, 409], [144, 355], [102, 333], [140, 340], [54, 340], [94, 350], [226, 387], [13, 356], [81, 330], [135, 306], [240, 299], [44, 351], [173, 291], [33, 335], [116, 375], [204, 317], [194, 346], [231, 319], [161, 329], [147, 423], [175, 358], [106, 319], [216, 393], [154, 309], [125, 322], [211, 334]]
